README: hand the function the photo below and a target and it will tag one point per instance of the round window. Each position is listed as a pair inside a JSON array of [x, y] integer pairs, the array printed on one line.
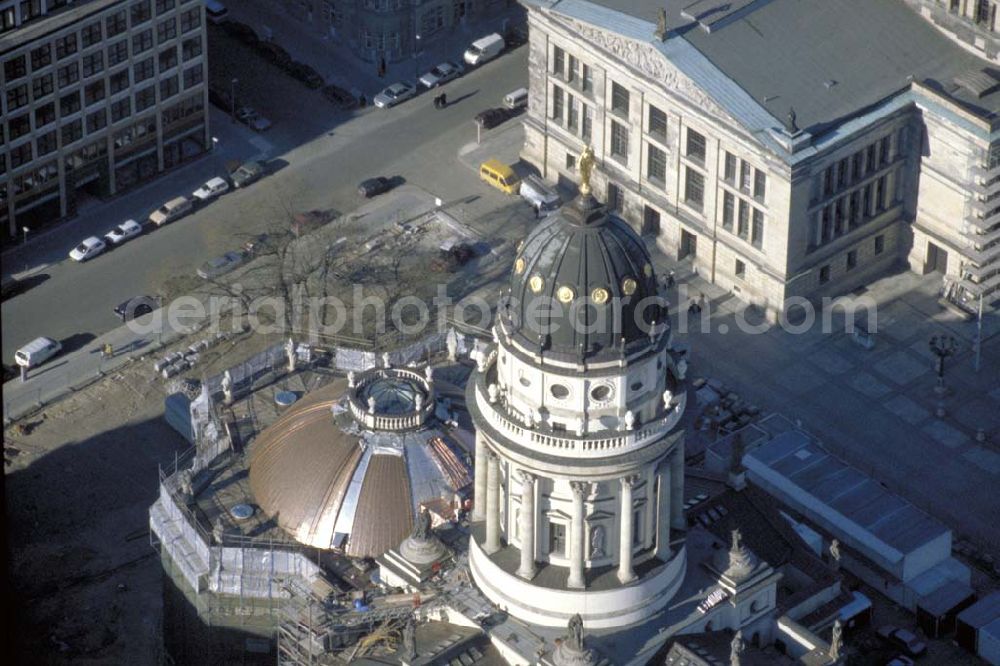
[[524, 381], [636, 386], [559, 392], [601, 393]]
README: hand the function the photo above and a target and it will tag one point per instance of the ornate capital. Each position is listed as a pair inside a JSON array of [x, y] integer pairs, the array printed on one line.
[[525, 478], [628, 481], [579, 489]]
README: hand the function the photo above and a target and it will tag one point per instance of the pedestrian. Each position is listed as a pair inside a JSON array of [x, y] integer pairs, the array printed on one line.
[[108, 350], [670, 279]]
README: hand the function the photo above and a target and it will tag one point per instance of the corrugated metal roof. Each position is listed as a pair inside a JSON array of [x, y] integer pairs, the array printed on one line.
[[855, 496], [382, 519]]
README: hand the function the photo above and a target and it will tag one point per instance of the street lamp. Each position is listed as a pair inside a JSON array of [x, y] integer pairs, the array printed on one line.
[[416, 62], [215, 143], [942, 346], [25, 231], [232, 95]]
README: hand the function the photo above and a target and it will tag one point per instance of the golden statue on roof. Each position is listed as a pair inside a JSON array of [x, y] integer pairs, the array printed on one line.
[[586, 166]]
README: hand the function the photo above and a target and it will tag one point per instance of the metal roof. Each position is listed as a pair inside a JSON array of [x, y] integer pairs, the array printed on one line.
[[853, 495], [829, 59], [983, 612]]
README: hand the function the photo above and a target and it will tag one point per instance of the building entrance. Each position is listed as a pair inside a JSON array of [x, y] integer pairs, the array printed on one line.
[[688, 246], [937, 259]]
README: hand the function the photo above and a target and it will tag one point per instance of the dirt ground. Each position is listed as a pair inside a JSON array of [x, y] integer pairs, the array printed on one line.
[[79, 487]]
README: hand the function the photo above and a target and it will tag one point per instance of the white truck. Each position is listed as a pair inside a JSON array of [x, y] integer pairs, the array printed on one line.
[[484, 49]]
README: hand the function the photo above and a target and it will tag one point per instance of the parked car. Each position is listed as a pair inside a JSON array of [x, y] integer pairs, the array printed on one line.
[[516, 99], [306, 74], [135, 307], [441, 74], [249, 117], [339, 96], [394, 94], [213, 268], [542, 197], [246, 173], [490, 118], [170, 211], [275, 54], [37, 352], [88, 249], [500, 176], [123, 232], [242, 32], [373, 186], [904, 639], [211, 189], [484, 49]]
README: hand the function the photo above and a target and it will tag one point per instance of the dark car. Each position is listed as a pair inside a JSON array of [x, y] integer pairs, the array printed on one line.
[[246, 173], [903, 639], [490, 118], [306, 75], [275, 54], [137, 306], [373, 186], [339, 96]]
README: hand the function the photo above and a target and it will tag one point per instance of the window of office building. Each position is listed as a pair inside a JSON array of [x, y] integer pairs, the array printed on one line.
[[166, 30], [168, 87], [41, 57], [842, 167], [97, 120], [68, 74], [145, 98], [117, 52], [558, 61], [616, 198], [880, 193], [883, 150], [728, 210], [119, 81], [30, 9], [93, 63], [838, 217], [116, 24], [879, 244], [870, 158], [20, 155], [557, 539], [570, 162], [94, 92], [587, 79], [168, 58], [90, 34], [571, 66], [743, 220], [588, 122], [72, 131], [619, 141], [854, 209], [557, 104], [695, 146], [852, 259], [121, 109], [69, 104], [619, 98], [141, 12], [759, 184], [741, 269], [866, 201], [694, 188], [164, 6], [745, 173], [193, 76], [572, 115], [142, 41], [15, 68], [858, 162], [45, 114], [41, 86], [824, 274], [66, 46], [757, 229], [191, 48], [828, 180], [46, 143], [190, 19], [143, 70], [657, 123], [656, 164], [729, 168], [20, 126]]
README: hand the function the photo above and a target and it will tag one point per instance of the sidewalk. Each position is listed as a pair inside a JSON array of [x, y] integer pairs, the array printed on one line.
[[308, 42]]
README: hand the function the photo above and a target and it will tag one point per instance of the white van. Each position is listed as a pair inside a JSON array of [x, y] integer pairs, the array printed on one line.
[[516, 99], [484, 49], [543, 197], [37, 352], [170, 211], [216, 11]]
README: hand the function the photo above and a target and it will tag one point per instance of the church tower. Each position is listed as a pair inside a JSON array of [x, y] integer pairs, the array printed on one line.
[[579, 469]]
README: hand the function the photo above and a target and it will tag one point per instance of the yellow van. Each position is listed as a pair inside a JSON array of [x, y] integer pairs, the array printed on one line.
[[500, 176]]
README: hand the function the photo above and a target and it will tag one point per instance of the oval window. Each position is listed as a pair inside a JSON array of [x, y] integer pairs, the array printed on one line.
[[524, 381], [601, 393], [559, 392], [636, 386]]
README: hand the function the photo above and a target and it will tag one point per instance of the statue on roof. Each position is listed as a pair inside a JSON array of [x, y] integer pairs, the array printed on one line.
[[661, 24], [790, 126], [575, 638], [835, 553], [586, 167], [737, 544], [736, 648], [836, 640]]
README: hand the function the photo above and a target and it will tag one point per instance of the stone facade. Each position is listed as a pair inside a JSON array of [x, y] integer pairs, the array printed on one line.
[[389, 28], [818, 218], [973, 23]]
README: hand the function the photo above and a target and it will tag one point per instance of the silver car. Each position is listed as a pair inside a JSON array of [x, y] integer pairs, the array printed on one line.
[[441, 74], [213, 268], [394, 94]]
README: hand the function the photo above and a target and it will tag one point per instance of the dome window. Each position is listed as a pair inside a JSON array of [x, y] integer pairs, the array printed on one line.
[[601, 392], [559, 391], [519, 265], [536, 283], [636, 386], [629, 286], [565, 294], [524, 381], [599, 295], [647, 270]]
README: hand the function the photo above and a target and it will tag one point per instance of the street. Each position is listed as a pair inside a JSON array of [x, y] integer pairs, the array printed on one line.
[[73, 302]]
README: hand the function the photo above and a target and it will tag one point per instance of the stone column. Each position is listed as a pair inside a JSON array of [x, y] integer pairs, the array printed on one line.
[[663, 506], [492, 504], [576, 537], [625, 536], [479, 487], [527, 568], [677, 488]]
